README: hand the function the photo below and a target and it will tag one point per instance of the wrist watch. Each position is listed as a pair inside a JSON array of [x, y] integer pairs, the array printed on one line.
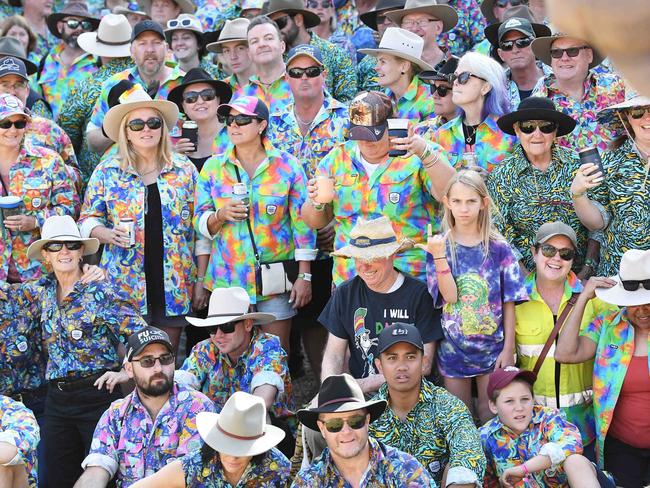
[[305, 276]]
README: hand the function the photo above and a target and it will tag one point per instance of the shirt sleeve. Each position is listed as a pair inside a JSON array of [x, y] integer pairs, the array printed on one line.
[[121, 317], [20, 429], [103, 449], [303, 236], [203, 203], [270, 366], [428, 319], [198, 364], [93, 210], [563, 438], [64, 198], [513, 287], [592, 331], [332, 316]]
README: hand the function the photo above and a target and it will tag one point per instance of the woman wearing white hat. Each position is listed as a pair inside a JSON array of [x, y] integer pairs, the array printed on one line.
[[185, 37], [619, 342], [239, 450]]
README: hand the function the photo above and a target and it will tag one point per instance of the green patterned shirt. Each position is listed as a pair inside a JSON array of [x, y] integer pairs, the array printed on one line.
[[341, 79]]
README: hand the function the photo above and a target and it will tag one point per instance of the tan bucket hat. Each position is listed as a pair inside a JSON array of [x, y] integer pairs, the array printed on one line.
[[230, 305], [111, 39], [437, 8], [401, 44], [234, 30], [61, 228], [373, 239], [187, 6]]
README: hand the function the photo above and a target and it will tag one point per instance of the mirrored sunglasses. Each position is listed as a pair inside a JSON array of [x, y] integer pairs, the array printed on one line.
[[206, 95], [136, 125], [74, 24], [572, 52], [150, 361], [18, 124], [311, 72], [57, 246], [335, 425], [520, 43], [549, 251]]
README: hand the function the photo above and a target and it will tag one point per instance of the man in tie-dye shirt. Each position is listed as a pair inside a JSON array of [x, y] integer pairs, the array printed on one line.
[[137, 436]]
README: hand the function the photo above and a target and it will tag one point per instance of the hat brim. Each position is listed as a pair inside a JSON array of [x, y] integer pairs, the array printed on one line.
[[379, 251], [224, 91], [135, 352], [445, 13], [369, 133], [617, 295], [88, 42], [309, 416], [114, 116], [215, 47], [187, 6], [29, 66], [52, 20], [231, 446], [550, 236], [565, 123], [487, 7], [609, 115], [542, 50], [225, 108], [91, 245], [398, 54], [125, 11], [491, 32], [311, 19], [258, 318]]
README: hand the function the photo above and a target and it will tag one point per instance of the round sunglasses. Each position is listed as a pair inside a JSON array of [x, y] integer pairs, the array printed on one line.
[[18, 124], [311, 72], [549, 251], [335, 425], [150, 361], [545, 126], [519, 43], [240, 119], [206, 95], [136, 125], [57, 246]]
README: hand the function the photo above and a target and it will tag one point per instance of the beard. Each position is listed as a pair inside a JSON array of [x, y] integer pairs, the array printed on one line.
[[71, 40], [290, 35], [158, 389]]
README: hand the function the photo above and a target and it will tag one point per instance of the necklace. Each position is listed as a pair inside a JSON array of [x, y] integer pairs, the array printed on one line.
[[148, 172], [300, 121], [469, 131]]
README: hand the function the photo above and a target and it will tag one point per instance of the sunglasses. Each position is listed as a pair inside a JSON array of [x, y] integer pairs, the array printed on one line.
[[637, 113], [206, 95], [179, 23], [150, 361], [520, 43], [355, 422], [572, 52], [513, 3], [422, 23], [283, 21], [227, 328], [633, 285], [74, 24], [545, 126], [549, 251], [136, 125], [315, 4], [57, 246], [442, 90], [239, 119], [311, 72], [18, 124], [463, 78]]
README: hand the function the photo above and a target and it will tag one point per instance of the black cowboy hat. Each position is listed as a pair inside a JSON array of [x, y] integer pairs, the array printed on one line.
[[442, 74], [74, 8], [537, 108], [198, 75], [370, 17]]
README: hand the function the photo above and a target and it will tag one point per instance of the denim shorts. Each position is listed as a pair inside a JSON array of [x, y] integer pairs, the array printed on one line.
[[278, 305]]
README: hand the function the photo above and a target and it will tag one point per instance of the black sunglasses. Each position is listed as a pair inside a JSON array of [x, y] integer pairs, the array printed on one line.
[[633, 285], [283, 21], [572, 52], [136, 125], [637, 113], [442, 90], [206, 95], [74, 24], [355, 422], [546, 126], [311, 72], [18, 124], [239, 119], [57, 246], [463, 78], [227, 328], [549, 251], [150, 361], [513, 3], [520, 43]]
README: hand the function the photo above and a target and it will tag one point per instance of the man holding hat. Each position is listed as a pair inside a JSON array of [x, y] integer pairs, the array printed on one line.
[[352, 457], [150, 427], [232, 53], [449, 447], [67, 64]]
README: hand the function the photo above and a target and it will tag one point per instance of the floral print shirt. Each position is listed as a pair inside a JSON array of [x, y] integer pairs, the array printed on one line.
[[469, 29], [130, 445], [115, 194], [19, 428]]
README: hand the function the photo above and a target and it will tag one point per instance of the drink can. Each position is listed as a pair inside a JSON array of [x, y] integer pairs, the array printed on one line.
[[128, 224], [190, 130]]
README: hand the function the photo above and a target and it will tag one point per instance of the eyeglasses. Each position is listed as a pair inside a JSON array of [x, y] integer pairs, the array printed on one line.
[[150, 361], [74, 24], [546, 126], [520, 43], [572, 52], [549, 251], [283, 21], [227, 328], [57, 246], [315, 4], [239, 119], [355, 422], [463, 78], [637, 113], [18, 124], [513, 3], [206, 95], [422, 23], [442, 90], [311, 72], [136, 125], [633, 285], [8, 87], [179, 23]]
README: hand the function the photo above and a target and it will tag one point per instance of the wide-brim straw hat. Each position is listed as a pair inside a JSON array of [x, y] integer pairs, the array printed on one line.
[[74, 8], [373, 239], [134, 99], [370, 17], [131, 8], [542, 49], [230, 305], [112, 38], [187, 6], [439, 10], [537, 108], [635, 265], [240, 429], [294, 7], [613, 115], [401, 44], [233, 31], [61, 228]]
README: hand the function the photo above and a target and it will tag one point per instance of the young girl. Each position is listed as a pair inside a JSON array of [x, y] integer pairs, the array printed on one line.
[[473, 274]]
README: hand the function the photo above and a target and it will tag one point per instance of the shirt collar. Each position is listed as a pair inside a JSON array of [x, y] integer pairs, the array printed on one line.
[[571, 285]]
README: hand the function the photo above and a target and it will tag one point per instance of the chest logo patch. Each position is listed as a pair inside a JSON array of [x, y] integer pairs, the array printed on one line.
[[393, 197], [77, 334], [271, 209], [36, 202], [22, 346]]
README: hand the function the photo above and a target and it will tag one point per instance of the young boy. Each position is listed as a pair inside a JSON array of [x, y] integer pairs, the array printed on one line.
[[527, 444]]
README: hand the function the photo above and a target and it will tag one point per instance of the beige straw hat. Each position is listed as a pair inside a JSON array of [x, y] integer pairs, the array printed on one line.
[[373, 239]]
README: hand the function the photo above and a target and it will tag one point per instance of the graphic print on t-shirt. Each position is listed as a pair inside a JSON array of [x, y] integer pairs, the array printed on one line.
[[472, 309], [362, 340]]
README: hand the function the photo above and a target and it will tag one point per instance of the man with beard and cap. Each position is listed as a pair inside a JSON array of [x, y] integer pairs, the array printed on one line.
[[67, 64], [152, 426]]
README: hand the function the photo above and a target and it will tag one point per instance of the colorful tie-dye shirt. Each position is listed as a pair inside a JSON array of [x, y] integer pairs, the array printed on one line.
[[468, 31], [213, 13], [43, 182], [19, 428], [115, 194], [548, 434], [271, 472], [264, 362], [277, 191], [57, 79], [438, 431], [43, 45], [276, 96], [329, 128], [130, 445], [416, 104], [473, 326], [600, 91], [388, 467], [613, 335], [399, 189], [492, 145]]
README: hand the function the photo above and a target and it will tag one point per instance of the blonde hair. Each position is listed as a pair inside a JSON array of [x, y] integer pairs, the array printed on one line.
[[127, 152], [488, 232]]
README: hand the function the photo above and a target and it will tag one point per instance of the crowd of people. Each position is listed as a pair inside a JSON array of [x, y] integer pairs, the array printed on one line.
[[441, 205]]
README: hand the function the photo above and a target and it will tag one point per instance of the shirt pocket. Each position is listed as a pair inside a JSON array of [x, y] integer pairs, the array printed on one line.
[[118, 208], [397, 191], [36, 194], [79, 331], [348, 194], [272, 202]]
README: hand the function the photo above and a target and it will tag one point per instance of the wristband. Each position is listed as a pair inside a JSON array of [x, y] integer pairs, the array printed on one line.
[[200, 278], [441, 257], [525, 479], [305, 276], [575, 196]]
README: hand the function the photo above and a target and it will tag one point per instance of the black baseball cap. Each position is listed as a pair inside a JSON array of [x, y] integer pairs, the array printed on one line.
[[13, 66], [141, 339], [147, 26], [399, 332]]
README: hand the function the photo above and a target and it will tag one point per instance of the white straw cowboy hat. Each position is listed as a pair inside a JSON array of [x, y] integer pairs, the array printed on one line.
[[373, 239], [436, 8], [112, 38], [132, 99], [401, 44], [240, 429], [635, 266], [230, 305], [233, 31], [61, 228]]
